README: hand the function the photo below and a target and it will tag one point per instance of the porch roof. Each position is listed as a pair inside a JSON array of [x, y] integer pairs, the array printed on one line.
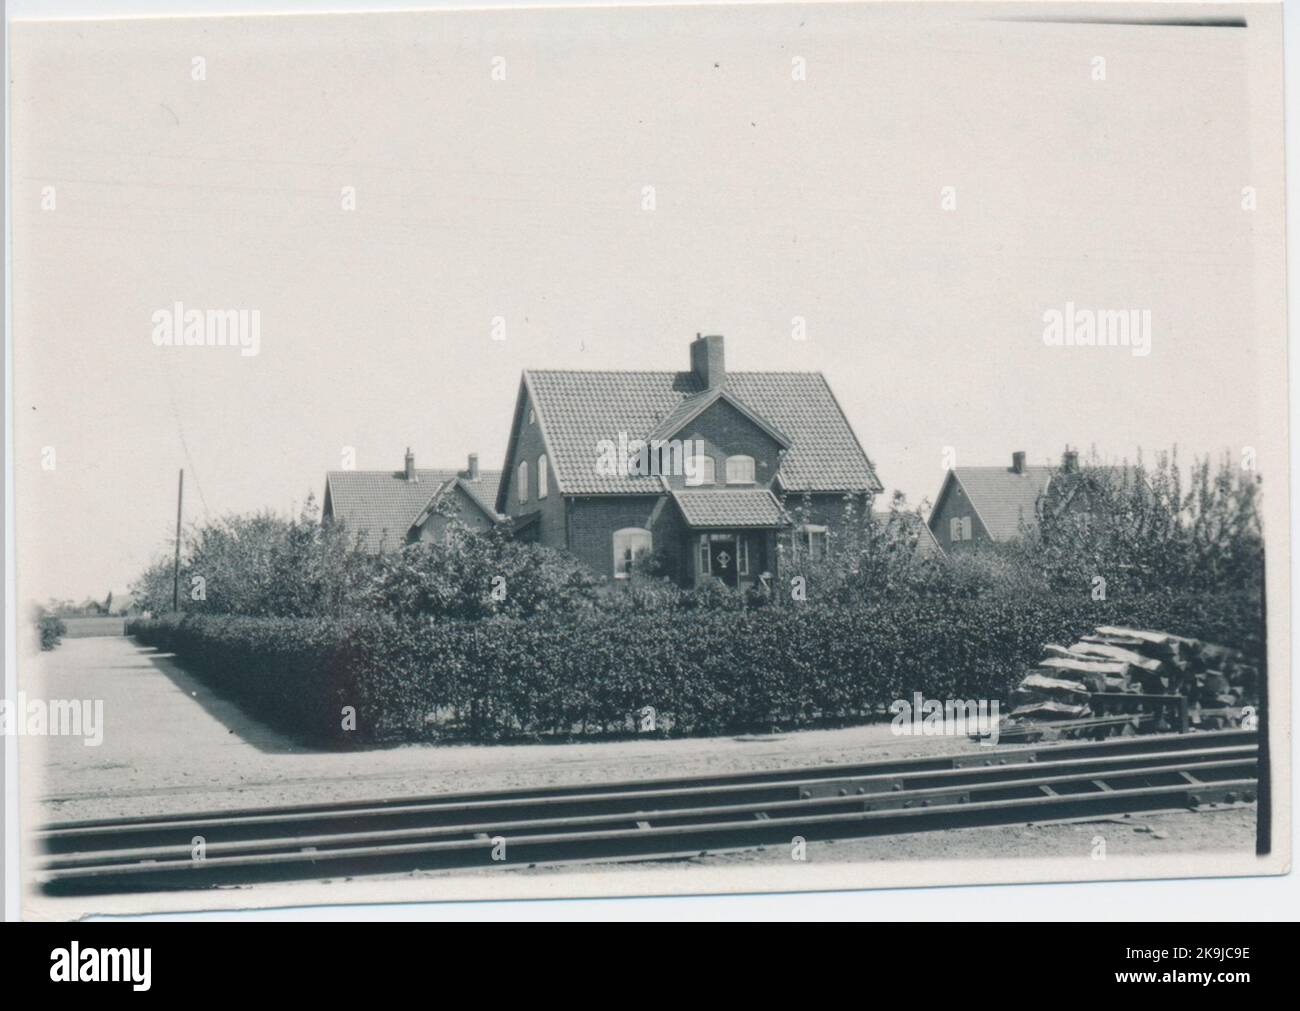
[[750, 508]]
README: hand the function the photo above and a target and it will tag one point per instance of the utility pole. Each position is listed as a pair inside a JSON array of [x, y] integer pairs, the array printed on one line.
[[176, 566]]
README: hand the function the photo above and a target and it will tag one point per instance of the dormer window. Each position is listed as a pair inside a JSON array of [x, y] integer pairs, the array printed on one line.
[[703, 470], [740, 470]]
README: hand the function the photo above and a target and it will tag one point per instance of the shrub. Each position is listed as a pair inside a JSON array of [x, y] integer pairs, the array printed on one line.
[[471, 576], [261, 564], [702, 670], [52, 630]]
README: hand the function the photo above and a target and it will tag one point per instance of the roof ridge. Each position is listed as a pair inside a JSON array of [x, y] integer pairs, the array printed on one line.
[[675, 372], [428, 470], [1008, 469]]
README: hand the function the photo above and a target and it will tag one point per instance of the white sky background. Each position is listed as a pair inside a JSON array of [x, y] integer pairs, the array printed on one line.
[[522, 198]]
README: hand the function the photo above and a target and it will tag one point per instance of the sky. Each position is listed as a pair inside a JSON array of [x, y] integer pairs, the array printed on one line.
[[919, 187]]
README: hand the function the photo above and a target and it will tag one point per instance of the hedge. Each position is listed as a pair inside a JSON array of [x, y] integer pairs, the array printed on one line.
[[701, 671]]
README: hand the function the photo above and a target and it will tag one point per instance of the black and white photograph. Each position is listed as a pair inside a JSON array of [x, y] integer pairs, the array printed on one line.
[[511, 453]]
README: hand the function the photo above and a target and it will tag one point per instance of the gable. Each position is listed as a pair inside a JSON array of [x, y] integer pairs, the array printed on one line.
[[466, 500], [693, 409], [527, 443], [999, 497], [726, 431]]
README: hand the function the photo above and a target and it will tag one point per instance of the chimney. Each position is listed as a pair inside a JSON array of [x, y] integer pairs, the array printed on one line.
[[708, 360], [1018, 462], [473, 466], [1070, 460], [410, 465]]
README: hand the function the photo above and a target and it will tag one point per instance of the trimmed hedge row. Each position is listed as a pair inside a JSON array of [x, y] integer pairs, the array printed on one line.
[[701, 671]]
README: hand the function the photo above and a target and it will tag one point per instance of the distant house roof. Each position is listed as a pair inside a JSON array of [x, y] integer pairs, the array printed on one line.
[[1003, 497], [385, 504], [732, 507], [577, 410]]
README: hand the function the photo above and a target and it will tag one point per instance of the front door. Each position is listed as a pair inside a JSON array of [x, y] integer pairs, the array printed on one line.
[[722, 559]]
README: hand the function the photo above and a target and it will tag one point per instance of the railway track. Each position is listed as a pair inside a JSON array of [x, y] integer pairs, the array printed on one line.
[[652, 818]]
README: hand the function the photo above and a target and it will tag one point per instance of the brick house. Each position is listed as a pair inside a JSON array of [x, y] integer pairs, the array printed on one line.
[[393, 508], [704, 469], [988, 505]]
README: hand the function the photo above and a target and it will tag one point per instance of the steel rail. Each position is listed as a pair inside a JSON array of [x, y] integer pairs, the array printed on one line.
[[710, 835], [628, 789], [798, 788], [556, 807], [876, 800]]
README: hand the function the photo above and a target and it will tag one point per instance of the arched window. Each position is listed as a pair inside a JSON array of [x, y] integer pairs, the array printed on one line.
[[740, 470], [704, 471], [541, 476], [521, 482], [628, 544]]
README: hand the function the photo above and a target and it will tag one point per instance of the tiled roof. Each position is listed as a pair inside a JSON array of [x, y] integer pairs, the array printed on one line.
[[1002, 497], [577, 410], [383, 504], [731, 507]]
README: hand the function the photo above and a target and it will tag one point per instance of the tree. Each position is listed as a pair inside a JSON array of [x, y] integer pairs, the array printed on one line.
[[1143, 528]]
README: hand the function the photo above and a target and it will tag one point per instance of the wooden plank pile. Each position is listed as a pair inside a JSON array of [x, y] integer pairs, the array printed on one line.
[[1212, 679]]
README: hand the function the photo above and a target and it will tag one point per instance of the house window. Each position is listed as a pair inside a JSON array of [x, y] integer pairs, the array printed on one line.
[[542, 477], [740, 470], [816, 540], [629, 543], [532, 416], [706, 562], [742, 555], [521, 482], [704, 470], [959, 528]]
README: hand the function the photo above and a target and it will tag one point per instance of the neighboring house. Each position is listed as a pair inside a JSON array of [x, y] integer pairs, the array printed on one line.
[[983, 505], [393, 508], [725, 450]]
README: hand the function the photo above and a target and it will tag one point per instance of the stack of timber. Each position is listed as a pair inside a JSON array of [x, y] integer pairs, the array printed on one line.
[[1162, 681]]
